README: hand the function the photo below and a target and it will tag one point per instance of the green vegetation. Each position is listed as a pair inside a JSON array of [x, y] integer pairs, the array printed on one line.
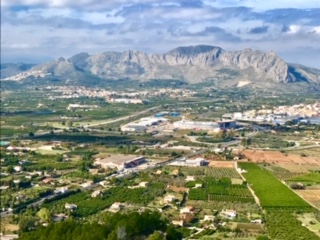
[[88, 205], [310, 178], [220, 190], [285, 226], [264, 183], [110, 227], [213, 172], [265, 140], [283, 174]]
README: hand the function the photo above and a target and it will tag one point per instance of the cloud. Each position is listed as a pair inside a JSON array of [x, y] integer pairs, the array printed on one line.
[[259, 30], [65, 27]]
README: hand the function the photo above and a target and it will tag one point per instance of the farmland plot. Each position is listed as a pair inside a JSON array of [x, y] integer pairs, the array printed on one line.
[[270, 191]]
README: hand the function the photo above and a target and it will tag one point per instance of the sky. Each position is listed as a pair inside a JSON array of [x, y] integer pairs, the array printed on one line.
[[34, 31]]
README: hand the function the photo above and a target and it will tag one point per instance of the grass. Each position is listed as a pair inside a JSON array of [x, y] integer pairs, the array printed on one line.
[[306, 218], [313, 177], [270, 191], [50, 152]]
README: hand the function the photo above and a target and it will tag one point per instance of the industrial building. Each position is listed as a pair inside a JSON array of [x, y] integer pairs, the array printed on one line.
[[142, 124], [196, 125], [120, 161], [227, 124], [198, 162], [133, 128], [163, 114]]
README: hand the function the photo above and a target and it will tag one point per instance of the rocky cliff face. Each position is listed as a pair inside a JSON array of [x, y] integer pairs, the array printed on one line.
[[184, 63], [192, 64], [265, 64]]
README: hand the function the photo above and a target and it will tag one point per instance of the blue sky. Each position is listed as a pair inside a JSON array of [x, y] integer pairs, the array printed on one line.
[[42, 30]]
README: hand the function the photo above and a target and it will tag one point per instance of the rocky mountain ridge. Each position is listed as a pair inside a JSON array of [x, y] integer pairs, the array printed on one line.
[[191, 64]]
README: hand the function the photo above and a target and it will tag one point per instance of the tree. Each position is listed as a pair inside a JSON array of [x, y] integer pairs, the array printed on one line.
[[44, 214], [157, 235], [121, 233], [69, 123], [26, 223], [263, 237], [173, 234], [10, 169], [59, 158]]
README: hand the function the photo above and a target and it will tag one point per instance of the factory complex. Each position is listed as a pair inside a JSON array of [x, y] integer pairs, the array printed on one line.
[[120, 161], [159, 123], [143, 124], [210, 126]]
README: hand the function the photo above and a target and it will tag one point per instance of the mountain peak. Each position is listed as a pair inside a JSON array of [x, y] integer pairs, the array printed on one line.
[[191, 64], [193, 50]]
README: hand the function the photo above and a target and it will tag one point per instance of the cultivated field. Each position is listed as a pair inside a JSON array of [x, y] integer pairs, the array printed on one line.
[[291, 162], [270, 191], [221, 164], [278, 157], [311, 196]]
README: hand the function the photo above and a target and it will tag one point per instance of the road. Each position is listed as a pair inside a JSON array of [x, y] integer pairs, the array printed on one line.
[[88, 126], [256, 130]]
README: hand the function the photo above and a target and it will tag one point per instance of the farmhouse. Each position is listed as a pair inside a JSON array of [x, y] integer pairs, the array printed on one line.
[[70, 206], [120, 161], [61, 190], [187, 209], [258, 221], [143, 184], [208, 218], [190, 178], [228, 213], [178, 222], [169, 198], [115, 207], [96, 193]]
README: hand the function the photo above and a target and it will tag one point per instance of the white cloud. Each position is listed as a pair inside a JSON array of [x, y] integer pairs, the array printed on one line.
[[265, 5], [293, 29], [66, 27]]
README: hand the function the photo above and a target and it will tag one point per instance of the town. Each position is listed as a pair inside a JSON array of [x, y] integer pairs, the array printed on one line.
[[197, 163]]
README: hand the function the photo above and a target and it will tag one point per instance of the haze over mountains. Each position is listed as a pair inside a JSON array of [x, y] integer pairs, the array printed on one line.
[[193, 64]]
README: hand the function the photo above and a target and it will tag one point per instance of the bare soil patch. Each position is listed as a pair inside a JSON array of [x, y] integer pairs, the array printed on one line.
[[311, 196], [222, 164], [291, 162], [177, 189]]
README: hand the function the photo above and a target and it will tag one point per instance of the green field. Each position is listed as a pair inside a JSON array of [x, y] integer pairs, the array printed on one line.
[[313, 178], [220, 190], [270, 191], [285, 226]]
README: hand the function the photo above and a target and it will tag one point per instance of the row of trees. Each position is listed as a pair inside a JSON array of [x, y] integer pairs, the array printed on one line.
[[146, 225]]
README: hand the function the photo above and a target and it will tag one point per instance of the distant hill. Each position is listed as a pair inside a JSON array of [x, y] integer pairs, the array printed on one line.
[[11, 69], [193, 64]]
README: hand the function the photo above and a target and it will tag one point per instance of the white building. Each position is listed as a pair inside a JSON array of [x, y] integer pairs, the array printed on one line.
[[96, 193], [208, 218], [142, 124], [17, 168], [70, 206], [230, 214], [169, 198], [183, 124], [120, 161], [190, 178]]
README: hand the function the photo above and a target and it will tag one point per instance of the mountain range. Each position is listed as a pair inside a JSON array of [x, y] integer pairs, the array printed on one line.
[[192, 64]]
